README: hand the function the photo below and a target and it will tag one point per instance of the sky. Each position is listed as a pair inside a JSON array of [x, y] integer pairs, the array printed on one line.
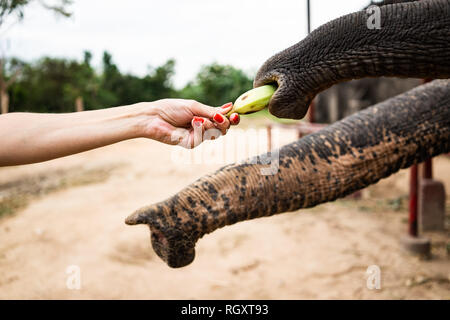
[[143, 33]]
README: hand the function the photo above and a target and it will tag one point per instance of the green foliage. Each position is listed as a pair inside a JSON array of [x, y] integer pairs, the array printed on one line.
[[121, 89], [53, 84], [217, 84], [8, 7], [16, 7]]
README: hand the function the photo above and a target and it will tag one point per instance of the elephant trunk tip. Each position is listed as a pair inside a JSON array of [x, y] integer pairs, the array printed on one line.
[[170, 242], [287, 101]]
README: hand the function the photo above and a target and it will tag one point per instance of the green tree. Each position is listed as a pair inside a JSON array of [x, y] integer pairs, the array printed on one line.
[[159, 81], [111, 82], [52, 85], [16, 7], [83, 83], [216, 84], [119, 89]]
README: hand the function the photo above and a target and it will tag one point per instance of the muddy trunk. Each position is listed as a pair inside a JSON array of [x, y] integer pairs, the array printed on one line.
[[334, 162]]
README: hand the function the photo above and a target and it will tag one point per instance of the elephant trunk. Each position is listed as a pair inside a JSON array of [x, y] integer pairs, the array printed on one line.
[[412, 40], [336, 161]]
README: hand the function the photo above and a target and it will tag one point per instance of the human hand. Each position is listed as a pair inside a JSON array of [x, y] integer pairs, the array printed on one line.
[[187, 122]]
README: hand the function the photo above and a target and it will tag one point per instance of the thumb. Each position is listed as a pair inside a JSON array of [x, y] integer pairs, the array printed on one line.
[[203, 110]]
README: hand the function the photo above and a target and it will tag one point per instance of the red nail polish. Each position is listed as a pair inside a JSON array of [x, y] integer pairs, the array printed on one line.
[[234, 118], [227, 105], [218, 118], [198, 119]]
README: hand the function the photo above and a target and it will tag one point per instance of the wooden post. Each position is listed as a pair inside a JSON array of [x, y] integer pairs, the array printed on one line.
[[79, 105], [4, 101]]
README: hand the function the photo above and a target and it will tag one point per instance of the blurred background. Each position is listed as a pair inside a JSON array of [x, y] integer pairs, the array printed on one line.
[[66, 56], [108, 53]]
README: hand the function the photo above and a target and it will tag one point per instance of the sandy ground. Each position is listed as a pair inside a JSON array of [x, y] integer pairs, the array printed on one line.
[[322, 252]]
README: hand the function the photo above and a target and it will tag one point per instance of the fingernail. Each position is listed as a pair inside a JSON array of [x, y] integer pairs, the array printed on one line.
[[234, 118], [227, 105], [198, 121], [218, 118]]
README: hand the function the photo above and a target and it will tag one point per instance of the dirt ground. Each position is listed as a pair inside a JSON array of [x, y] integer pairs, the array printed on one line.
[[71, 211]]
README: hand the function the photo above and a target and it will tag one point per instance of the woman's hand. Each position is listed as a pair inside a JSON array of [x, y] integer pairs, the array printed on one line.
[[187, 122]]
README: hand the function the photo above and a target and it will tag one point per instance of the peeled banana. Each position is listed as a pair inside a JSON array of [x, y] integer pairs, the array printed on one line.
[[253, 100]]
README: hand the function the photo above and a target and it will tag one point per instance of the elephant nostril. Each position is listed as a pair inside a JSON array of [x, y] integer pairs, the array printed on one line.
[[268, 81], [158, 237], [175, 247], [275, 84]]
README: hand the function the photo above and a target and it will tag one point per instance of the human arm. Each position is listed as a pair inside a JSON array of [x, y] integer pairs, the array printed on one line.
[[33, 137]]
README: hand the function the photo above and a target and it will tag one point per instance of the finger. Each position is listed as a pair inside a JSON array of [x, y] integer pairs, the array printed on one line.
[[225, 108], [210, 132], [222, 122], [208, 124], [198, 129], [202, 110], [234, 119]]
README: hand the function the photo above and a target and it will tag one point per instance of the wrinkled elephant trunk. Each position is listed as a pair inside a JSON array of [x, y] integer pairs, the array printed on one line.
[[334, 162], [412, 41]]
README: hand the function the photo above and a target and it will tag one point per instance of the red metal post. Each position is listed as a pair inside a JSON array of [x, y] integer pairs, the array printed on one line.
[[413, 201]]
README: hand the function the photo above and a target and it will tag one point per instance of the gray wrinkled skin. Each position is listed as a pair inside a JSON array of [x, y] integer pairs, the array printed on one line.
[[413, 42], [342, 158]]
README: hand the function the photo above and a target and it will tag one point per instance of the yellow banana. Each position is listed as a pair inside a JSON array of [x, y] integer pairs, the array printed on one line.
[[253, 100]]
